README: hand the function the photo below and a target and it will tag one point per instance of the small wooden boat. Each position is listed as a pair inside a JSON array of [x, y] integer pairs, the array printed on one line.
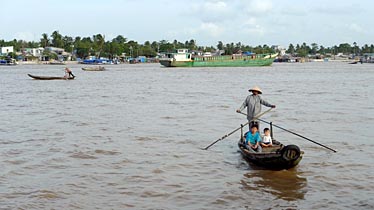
[[96, 68], [49, 77], [57, 63], [277, 157]]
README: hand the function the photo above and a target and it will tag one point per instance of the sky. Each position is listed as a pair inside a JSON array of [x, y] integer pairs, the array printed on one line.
[[251, 22]]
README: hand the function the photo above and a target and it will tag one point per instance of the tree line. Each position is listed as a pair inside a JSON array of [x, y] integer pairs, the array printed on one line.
[[96, 45], [345, 48]]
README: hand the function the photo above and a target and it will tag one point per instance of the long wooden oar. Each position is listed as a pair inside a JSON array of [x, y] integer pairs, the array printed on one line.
[[223, 137], [295, 134]]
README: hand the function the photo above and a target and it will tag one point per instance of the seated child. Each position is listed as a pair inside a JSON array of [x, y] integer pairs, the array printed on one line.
[[253, 139], [266, 139]]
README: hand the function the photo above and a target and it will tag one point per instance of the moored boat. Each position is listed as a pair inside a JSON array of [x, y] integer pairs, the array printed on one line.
[[276, 157], [49, 77], [8, 62], [56, 63], [183, 58], [96, 68]]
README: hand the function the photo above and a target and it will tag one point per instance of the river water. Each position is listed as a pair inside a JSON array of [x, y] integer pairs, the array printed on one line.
[[131, 137]]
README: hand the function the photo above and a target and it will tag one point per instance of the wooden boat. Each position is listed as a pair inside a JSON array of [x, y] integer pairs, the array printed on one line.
[[96, 68], [277, 157], [49, 77], [182, 58], [57, 63]]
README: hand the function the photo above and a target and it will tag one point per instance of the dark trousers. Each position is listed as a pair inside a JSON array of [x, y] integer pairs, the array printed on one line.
[[254, 123]]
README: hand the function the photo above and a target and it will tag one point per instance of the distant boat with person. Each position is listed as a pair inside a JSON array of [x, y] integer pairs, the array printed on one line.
[[183, 58], [49, 77]]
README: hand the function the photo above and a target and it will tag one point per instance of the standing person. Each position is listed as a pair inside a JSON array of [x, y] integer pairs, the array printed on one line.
[[253, 103], [68, 73]]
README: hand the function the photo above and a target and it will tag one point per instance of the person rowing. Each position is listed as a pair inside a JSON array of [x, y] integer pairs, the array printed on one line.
[[253, 103]]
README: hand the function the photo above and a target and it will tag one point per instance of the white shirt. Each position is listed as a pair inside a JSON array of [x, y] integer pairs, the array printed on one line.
[[266, 139]]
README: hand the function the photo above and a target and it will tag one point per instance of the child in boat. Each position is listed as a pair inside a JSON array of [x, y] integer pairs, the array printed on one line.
[[68, 73], [266, 139], [253, 139]]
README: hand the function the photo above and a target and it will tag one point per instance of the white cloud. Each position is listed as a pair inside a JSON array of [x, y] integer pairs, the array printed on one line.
[[356, 28], [215, 7], [255, 30], [252, 27], [211, 29], [258, 7], [210, 11], [251, 21], [26, 36], [208, 30]]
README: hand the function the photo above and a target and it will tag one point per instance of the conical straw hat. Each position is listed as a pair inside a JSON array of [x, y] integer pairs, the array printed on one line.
[[256, 88]]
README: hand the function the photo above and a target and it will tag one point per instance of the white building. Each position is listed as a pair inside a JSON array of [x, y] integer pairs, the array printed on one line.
[[6, 50], [36, 52], [277, 48]]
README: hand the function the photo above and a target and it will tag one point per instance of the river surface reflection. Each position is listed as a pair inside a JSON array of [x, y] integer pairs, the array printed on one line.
[[285, 184]]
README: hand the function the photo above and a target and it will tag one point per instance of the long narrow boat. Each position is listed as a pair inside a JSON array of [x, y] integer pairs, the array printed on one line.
[[183, 58], [49, 77], [277, 157], [96, 68], [57, 63]]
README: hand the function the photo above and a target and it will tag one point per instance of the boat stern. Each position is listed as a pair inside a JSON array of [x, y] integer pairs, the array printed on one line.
[[167, 62]]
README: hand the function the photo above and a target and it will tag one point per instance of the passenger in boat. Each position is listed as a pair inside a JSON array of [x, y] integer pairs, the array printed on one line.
[[68, 73], [266, 139], [253, 139], [253, 103]]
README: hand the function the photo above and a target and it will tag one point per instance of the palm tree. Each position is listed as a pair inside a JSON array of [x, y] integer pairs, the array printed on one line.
[[354, 47], [44, 41], [120, 39], [98, 41], [57, 39]]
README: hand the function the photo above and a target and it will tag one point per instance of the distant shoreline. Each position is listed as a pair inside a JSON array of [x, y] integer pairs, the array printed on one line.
[[44, 62]]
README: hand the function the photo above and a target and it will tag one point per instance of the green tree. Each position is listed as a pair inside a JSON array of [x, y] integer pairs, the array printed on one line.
[[191, 45], [344, 48], [44, 41], [57, 40], [365, 48], [68, 43], [356, 49], [220, 45], [147, 50], [120, 39], [247, 48], [83, 46], [98, 44], [314, 49], [291, 49], [322, 50]]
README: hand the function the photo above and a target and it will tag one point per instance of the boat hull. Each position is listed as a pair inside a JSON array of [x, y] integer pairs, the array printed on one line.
[[218, 63], [278, 157], [49, 78], [93, 68]]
